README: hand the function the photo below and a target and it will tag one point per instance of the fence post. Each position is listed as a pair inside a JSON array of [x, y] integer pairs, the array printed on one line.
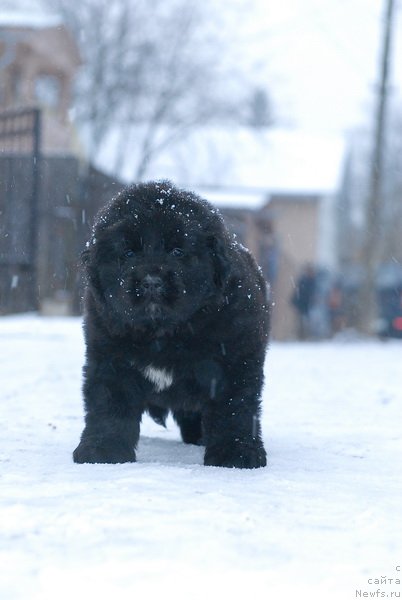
[[33, 242]]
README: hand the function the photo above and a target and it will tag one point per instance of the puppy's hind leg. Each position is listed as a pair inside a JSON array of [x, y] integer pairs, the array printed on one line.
[[190, 426]]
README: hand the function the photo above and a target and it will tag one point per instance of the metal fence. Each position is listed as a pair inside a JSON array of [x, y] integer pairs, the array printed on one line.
[[47, 206], [20, 165]]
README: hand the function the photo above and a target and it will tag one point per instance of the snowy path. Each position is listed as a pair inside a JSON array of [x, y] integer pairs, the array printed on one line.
[[319, 522]]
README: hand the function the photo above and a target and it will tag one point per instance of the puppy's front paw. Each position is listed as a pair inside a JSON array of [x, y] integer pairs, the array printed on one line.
[[238, 454], [103, 451]]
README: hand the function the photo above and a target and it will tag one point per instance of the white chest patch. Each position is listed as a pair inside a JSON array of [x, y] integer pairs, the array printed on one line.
[[161, 378]]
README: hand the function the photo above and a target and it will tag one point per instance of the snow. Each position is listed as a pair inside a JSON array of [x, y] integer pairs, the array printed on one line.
[[320, 521]]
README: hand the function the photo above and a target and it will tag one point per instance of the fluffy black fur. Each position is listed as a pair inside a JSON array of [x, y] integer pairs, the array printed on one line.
[[176, 318]]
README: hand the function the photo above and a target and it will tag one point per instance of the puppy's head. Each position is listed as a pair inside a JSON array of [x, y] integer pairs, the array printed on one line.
[[158, 255]]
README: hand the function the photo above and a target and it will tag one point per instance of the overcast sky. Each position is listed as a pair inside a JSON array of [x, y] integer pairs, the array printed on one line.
[[318, 58], [321, 57]]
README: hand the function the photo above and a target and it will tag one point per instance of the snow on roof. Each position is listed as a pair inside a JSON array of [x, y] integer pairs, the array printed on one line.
[[242, 159], [236, 198], [34, 20]]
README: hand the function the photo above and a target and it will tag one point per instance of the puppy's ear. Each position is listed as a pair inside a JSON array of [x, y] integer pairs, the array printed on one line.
[[221, 261]]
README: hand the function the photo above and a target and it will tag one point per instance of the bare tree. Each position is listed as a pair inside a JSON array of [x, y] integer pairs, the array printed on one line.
[[153, 65]]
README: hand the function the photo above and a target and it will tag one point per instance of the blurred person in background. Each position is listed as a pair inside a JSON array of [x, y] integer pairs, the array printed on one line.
[[303, 299]]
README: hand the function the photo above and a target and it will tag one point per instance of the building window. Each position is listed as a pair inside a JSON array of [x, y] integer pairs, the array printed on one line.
[[47, 90]]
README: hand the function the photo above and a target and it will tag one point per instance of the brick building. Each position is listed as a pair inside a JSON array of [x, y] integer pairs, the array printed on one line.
[[38, 63]]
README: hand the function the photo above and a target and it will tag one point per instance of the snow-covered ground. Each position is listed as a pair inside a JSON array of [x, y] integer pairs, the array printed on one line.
[[323, 520]]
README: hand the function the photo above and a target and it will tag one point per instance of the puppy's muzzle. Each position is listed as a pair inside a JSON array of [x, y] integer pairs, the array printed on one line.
[[151, 287]]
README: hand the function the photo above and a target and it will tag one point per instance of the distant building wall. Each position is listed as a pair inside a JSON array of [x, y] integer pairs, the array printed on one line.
[[296, 222]]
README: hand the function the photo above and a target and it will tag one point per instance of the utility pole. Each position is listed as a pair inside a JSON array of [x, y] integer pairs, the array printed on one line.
[[367, 309]]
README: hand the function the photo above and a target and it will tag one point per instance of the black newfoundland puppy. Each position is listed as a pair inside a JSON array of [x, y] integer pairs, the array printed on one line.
[[176, 319]]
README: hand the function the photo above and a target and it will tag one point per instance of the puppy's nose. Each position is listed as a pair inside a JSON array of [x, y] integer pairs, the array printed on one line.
[[152, 285]]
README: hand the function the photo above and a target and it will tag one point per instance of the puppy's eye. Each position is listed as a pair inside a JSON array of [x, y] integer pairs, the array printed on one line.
[[177, 252], [129, 253]]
